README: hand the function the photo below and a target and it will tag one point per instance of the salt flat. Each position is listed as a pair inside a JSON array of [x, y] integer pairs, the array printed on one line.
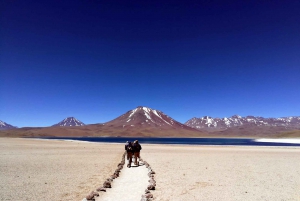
[[59, 170], [224, 173]]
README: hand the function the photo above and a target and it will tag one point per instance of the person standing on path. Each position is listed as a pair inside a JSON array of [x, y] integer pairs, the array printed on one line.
[[130, 151], [137, 148]]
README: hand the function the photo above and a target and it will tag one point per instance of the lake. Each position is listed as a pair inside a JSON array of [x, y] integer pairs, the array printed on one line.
[[185, 141]]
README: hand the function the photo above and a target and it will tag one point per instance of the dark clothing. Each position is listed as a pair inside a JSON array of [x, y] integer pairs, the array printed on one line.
[[136, 156], [137, 147], [129, 158], [129, 148]]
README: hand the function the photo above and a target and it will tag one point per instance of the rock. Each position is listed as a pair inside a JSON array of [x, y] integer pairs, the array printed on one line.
[[146, 199], [107, 184], [117, 173], [149, 174], [101, 189], [148, 195], [90, 196], [109, 179], [152, 181], [151, 187], [147, 191]]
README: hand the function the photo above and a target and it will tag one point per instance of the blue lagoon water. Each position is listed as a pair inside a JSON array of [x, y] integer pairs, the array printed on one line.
[[179, 141]]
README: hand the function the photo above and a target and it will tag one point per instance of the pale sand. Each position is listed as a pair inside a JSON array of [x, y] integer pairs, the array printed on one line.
[[224, 173], [54, 170], [57, 170]]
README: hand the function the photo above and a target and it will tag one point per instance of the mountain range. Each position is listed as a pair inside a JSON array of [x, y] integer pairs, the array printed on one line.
[[144, 121], [209, 123]]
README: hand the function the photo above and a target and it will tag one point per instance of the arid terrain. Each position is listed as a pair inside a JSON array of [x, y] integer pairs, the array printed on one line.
[[68, 170], [54, 170], [224, 173]]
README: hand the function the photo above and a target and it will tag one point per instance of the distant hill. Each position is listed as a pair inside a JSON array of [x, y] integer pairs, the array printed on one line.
[[5, 126], [70, 121]]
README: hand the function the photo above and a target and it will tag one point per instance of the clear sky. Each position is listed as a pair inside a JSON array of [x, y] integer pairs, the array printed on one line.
[[95, 60]]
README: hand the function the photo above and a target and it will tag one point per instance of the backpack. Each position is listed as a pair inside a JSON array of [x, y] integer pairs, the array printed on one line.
[[138, 147], [129, 147]]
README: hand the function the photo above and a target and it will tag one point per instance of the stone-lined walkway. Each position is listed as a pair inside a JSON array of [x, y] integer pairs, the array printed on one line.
[[129, 186]]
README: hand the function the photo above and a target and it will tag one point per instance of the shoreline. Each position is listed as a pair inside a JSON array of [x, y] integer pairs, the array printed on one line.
[[284, 142]]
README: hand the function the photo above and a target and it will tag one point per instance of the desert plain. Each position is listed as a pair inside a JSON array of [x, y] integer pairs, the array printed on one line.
[[32, 169]]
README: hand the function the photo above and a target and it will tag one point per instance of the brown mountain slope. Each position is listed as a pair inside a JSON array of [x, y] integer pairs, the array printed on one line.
[[99, 130], [147, 118], [288, 134], [252, 132]]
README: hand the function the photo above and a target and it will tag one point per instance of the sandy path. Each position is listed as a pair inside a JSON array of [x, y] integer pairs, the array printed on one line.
[[129, 186]]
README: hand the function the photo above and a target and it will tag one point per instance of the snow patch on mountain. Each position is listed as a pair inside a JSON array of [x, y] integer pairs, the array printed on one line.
[[236, 120], [70, 121], [146, 117], [4, 125]]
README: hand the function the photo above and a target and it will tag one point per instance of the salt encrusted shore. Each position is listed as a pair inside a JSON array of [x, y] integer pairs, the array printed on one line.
[[282, 140]]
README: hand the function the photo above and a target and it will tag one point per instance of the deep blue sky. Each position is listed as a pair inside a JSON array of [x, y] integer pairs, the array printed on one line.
[[95, 60]]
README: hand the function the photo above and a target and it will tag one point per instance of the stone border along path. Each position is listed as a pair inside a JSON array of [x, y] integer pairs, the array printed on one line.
[[128, 185]]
